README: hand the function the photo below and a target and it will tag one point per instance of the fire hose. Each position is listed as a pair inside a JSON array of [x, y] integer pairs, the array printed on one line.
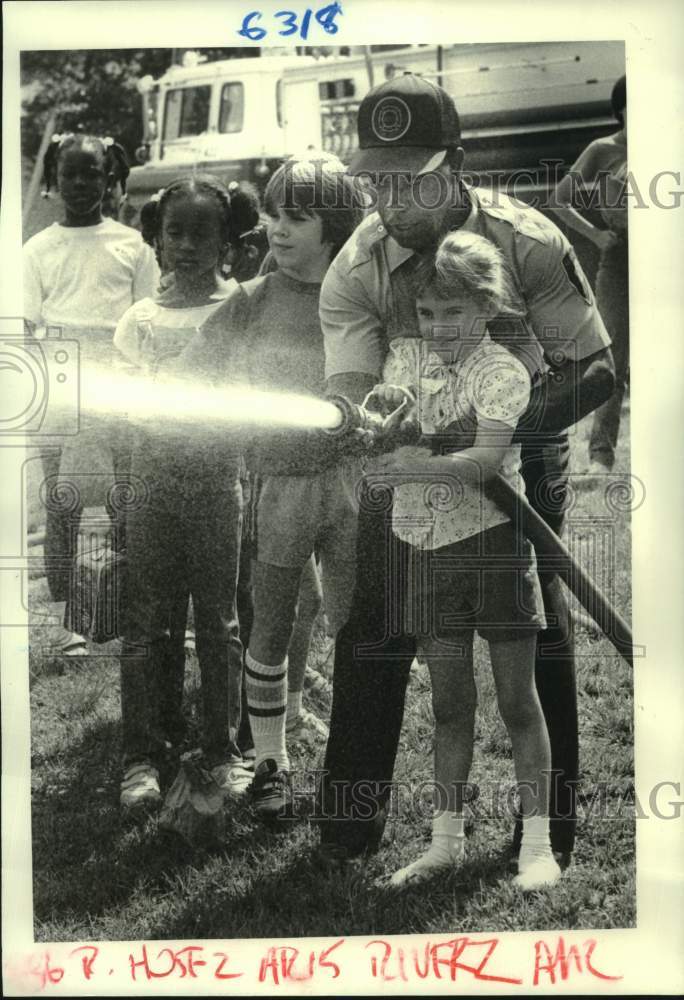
[[381, 431]]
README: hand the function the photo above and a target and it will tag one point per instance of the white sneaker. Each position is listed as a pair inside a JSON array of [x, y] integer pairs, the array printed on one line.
[[70, 644], [140, 788], [538, 874], [234, 778]]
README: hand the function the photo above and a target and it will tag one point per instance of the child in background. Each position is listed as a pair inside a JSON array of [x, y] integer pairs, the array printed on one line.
[[312, 212], [473, 568], [80, 276], [603, 165], [185, 539]]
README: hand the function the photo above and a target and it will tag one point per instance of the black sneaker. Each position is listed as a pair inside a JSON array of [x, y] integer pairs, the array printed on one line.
[[271, 791]]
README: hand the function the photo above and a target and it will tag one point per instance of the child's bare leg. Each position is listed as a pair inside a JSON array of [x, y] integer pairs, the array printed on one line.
[[513, 667], [275, 599], [308, 606], [454, 699]]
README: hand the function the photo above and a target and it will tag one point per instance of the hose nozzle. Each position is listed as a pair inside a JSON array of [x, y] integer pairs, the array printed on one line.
[[355, 416]]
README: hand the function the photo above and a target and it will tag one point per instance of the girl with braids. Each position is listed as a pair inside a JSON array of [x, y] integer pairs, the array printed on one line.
[[116, 161], [80, 275], [186, 538], [118, 171]]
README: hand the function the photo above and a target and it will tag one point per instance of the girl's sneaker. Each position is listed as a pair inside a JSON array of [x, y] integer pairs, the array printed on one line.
[[140, 788], [537, 873]]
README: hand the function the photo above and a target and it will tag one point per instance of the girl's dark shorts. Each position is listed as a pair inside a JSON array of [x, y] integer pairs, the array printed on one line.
[[486, 582]]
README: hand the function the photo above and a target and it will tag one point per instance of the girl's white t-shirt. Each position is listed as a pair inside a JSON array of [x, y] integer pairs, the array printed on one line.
[[490, 383], [150, 331], [86, 276]]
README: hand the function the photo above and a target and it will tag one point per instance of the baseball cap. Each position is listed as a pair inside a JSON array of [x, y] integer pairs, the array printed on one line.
[[405, 124]]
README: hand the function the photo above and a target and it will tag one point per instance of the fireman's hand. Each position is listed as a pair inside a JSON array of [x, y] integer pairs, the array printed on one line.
[[386, 398]]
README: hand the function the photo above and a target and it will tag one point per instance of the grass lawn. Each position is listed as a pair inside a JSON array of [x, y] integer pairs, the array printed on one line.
[[96, 878]]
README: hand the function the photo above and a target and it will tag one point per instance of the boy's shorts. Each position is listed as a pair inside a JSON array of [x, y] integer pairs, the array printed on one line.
[[486, 582], [297, 515]]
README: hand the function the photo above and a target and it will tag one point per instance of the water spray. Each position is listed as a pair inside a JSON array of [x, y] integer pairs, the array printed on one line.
[[167, 404]]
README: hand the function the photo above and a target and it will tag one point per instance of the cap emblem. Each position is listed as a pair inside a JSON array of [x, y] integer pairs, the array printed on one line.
[[391, 119]]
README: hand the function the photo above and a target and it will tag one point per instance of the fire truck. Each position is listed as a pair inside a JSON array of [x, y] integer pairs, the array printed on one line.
[[526, 110]]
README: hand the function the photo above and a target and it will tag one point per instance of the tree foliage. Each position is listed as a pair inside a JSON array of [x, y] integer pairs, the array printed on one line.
[[94, 90]]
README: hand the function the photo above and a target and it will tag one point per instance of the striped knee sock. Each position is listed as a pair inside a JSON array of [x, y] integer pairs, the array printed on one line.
[[267, 703]]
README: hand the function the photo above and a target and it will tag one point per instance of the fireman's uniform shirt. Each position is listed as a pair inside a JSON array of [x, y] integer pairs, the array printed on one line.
[[369, 293]]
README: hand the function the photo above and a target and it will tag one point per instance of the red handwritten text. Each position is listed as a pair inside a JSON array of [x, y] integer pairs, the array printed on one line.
[[46, 972], [288, 964], [90, 953], [181, 962], [564, 959], [435, 959]]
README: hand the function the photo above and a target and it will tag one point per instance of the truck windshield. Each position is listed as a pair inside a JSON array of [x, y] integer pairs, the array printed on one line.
[[232, 107], [186, 111]]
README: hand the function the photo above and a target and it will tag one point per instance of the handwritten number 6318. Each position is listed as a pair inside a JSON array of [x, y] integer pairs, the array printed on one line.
[[325, 18]]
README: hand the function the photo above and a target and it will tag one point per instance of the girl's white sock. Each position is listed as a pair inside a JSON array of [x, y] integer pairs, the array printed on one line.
[[537, 866], [267, 702], [294, 707], [446, 850]]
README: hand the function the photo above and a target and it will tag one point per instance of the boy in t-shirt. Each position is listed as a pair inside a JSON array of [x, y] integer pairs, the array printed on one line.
[[268, 335]]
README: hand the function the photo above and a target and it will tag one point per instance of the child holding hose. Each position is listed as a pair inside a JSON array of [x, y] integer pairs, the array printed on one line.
[[474, 569]]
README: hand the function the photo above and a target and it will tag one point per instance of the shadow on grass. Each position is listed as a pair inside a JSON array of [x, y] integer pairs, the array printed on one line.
[[88, 860], [301, 900]]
